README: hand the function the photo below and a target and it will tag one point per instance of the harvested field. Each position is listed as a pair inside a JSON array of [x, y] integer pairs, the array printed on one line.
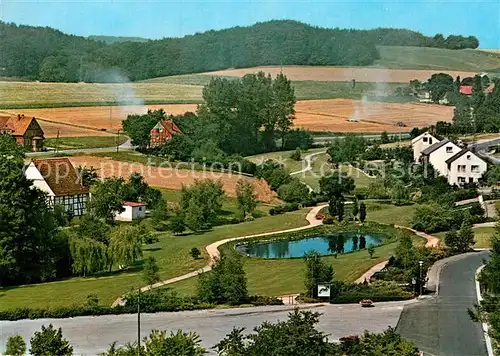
[[170, 178], [341, 74], [332, 115], [96, 117], [50, 130], [317, 115]]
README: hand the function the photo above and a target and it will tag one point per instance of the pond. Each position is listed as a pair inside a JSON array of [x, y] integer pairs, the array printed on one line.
[[324, 245]]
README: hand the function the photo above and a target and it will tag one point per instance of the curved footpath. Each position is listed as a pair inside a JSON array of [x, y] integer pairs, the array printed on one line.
[[308, 159], [213, 251]]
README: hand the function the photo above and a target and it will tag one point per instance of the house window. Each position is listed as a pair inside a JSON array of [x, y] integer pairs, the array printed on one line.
[[425, 139], [474, 169], [140, 208], [430, 141], [461, 179], [468, 156], [461, 168], [449, 149], [471, 180]]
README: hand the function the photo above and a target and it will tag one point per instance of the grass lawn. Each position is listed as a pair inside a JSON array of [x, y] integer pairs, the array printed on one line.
[[65, 143], [172, 256], [321, 167], [481, 234], [384, 213], [286, 276], [283, 157]]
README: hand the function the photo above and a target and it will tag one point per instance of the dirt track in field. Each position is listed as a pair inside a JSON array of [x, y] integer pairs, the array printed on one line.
[[171, 178], [341, 74]]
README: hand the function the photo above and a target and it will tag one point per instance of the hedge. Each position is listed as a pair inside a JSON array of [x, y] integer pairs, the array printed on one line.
[[151, 302]]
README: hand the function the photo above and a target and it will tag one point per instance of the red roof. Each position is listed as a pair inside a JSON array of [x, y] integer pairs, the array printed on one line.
[[132, 203], [16, 125], [466, 89]]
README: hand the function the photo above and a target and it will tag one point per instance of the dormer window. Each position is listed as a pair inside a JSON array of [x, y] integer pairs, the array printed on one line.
[[449, 149]]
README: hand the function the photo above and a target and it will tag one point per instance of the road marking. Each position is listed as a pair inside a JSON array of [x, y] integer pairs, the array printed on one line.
[[489, 346]]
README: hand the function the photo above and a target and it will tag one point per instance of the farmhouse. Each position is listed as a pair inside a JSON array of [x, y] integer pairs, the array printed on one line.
[[459, 165], [133, 211], [62, 183], [163, 131], [24, 129]]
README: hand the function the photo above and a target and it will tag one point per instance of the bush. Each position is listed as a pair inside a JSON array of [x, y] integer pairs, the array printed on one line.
[[195, 253], [328, 220], [290, 207], [258, 300], [377, 292], [296, 155]]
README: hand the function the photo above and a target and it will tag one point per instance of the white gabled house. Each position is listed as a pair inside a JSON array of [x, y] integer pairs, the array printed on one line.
[[459, 165], [62, 183], [438, 153], [420, 143], [465, 167]]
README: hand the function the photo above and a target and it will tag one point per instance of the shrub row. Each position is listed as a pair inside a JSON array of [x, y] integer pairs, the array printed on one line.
[[377, 292], [281, 209]]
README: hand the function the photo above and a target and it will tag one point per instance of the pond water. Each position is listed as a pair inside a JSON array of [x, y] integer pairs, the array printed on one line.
[[324, 245]]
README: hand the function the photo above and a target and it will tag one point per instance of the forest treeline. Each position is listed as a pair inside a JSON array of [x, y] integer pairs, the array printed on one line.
[[46, 54]]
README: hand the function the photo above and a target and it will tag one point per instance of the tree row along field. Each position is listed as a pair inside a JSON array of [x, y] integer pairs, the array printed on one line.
[[317, 115]]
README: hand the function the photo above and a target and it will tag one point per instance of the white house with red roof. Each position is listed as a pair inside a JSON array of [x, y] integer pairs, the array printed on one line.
[[132, 211]]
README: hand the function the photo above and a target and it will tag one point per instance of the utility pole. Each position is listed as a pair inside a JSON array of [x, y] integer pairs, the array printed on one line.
[[57, 141], [118, 141], [420, 263], [139, 323]]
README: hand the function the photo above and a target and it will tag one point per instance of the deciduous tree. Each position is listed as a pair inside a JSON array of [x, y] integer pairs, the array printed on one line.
[[245, 196], [50, 341]]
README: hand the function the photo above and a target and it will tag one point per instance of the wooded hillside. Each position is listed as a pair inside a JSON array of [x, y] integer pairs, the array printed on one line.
[[46, 54]]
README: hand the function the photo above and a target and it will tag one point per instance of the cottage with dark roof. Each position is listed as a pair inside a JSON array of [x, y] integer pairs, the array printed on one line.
[[24, 129], [465, 167], [62, 183]]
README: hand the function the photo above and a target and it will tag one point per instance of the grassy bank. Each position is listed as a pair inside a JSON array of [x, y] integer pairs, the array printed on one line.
[[482, 235], [68, 143]]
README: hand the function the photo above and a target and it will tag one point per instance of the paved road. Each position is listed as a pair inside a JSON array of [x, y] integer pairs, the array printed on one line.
[[91, 335], [441, 325]]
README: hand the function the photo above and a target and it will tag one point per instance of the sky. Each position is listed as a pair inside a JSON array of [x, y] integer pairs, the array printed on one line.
[[169, 18]]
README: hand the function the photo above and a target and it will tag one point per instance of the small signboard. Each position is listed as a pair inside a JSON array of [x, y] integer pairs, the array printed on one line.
[[323, 290]]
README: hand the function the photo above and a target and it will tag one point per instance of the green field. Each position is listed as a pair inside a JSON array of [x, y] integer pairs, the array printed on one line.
[[399, 57], [35, 94], [68, 143], [172, 256], [482, 236]]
